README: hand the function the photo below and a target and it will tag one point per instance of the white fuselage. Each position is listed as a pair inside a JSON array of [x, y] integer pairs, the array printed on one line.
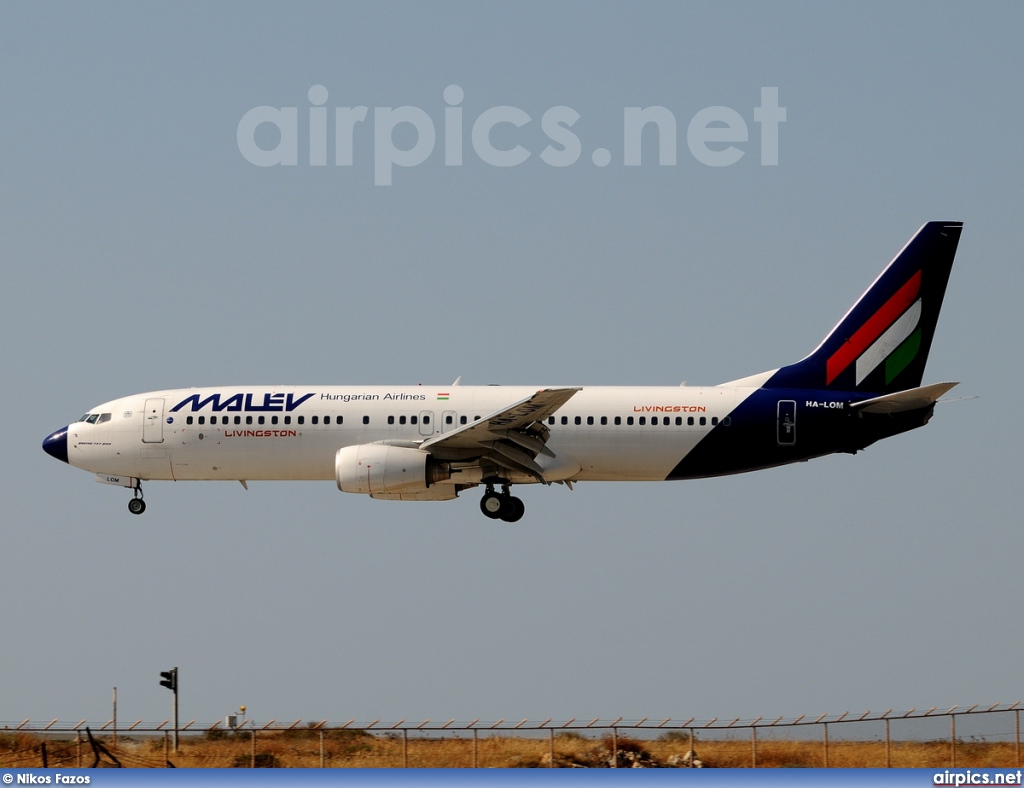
[[294, 432]]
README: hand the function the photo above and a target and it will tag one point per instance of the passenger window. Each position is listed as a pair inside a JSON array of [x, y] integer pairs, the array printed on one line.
[[248, 419], [703, 421], [238, 419], [412, 419], [287, 419], [299, 419], [366, 419], [262, 420], [565, 419], [202, 420], [578, 420], [314, 420], [463, 419], [476, 418], [449, 420], [391, 419], [654, 419], [551, 419], [590, 420], [401, 419], [273, 419], [714, 420], [727, 421], [426, 419], [643, 420], [689, 421], [618, 421], [629, 421], [604, 420], [679, 421], [327, 419], [188, 419]]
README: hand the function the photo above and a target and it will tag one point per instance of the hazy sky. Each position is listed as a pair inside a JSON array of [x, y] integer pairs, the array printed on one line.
[[142, 250]]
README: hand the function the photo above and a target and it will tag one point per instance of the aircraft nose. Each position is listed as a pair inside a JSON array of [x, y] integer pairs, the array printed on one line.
[[56, 444]]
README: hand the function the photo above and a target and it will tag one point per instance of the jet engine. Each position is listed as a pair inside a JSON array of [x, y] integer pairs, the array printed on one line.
[[392, 472]]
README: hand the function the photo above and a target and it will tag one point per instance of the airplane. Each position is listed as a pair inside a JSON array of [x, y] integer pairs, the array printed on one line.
[[430, 443]]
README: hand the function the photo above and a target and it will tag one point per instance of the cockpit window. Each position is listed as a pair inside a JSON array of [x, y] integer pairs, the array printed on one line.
[[95, 418]]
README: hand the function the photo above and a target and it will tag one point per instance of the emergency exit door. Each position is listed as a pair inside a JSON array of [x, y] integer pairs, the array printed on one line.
[[786, 424]]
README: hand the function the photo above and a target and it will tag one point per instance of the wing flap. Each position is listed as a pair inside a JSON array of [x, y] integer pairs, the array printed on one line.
[[511, 438]]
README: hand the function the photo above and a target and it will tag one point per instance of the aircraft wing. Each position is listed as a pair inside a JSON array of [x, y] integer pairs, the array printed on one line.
[[511, 438], [911, 399]]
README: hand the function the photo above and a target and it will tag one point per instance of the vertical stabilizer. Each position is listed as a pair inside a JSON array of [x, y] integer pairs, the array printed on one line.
[[881, 345]]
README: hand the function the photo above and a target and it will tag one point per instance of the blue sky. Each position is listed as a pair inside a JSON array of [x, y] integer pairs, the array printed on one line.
[[142, 250]]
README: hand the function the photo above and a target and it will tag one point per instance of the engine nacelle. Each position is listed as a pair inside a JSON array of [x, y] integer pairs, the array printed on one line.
[[393, 472]]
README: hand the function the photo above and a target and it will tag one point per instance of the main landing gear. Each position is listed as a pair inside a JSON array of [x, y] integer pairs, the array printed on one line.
[[136, 505], [502, 506]]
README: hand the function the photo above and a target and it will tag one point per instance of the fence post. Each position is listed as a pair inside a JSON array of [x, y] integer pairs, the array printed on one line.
[[476, 748], [167, 748], [405, 748], [693, 755], [615, 748], [952, 740], [321, 748], [78, 742], [825, 726], [252, 754], [1017, 730], [753, 747], [552, 733], [888, 750]]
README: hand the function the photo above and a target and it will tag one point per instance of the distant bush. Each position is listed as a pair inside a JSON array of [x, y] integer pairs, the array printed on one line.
[[263, 760]]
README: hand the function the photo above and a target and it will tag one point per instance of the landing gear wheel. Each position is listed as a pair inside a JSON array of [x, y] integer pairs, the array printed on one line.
[[136, 506], [492, 504], [512, 509]]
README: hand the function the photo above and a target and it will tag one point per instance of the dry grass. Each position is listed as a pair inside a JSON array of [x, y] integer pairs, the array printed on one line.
[[354, 749]]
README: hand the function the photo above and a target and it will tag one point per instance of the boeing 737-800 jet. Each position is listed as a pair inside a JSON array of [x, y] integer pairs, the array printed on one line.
[[429, 443]]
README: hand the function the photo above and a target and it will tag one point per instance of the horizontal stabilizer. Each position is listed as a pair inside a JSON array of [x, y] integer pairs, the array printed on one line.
[[911, 399]]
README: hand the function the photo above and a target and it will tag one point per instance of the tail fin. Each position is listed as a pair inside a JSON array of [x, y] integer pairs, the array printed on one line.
[[881, 345]]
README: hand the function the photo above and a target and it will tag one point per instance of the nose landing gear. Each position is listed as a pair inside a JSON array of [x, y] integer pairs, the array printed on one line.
[[502, 506], [136, 505]]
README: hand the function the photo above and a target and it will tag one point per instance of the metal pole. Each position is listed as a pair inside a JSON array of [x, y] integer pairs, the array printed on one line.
[[952, 740], [753, 747], [175, 710], [825, 726], [115, 716], [1017, 731], [476, 748], [693, 755], [888, 747], [405, 748], [321, 748]]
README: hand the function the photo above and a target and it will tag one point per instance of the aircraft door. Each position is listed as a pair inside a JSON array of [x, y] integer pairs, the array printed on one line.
[[787, 422], [153, 421], [449, 421], [426, 422]]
